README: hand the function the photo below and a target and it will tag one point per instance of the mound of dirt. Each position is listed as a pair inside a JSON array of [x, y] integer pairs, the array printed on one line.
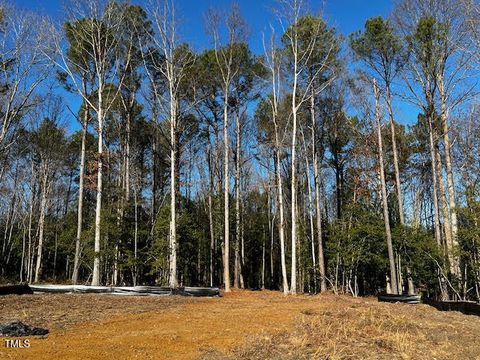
[[18, 328]]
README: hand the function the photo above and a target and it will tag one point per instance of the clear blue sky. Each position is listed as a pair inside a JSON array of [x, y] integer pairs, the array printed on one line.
[[345, 15]]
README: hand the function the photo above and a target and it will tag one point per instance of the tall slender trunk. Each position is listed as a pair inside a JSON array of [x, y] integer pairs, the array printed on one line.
[[98, 207], [437, 182], [30, 224], [270, 220], [281, 220], [135, 238], [318, 211], [242, 245], [78, 239], [127, 157], [398, 186], [173, 280], [310, 208], [9, 224], [436, 215], [444, 207], [210, 215], [238, 265], [41, 222], [153, 214], [226, 258], [24, 244], [388, 234], [263, 258], [293, 281], [277, 166], [455, 261]]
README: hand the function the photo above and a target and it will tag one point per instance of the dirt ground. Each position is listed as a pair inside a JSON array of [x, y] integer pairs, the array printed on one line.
[[240, 325]]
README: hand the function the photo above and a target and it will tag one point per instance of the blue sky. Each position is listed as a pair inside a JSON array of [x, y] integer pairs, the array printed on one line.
[[345, 15]]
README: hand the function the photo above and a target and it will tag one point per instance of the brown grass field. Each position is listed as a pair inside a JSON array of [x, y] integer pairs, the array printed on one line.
[[240, 325]]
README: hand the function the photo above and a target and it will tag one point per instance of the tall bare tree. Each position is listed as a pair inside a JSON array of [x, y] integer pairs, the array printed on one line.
[[436, 34], [301, 54], [94, 25], [23, 68], [383, 188], [236, 33], [172, 64], [273, 64]]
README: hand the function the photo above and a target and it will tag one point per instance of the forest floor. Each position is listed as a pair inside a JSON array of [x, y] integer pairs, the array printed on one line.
[[239, 325]]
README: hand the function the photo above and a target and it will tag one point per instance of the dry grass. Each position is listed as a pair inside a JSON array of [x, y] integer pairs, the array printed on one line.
[[241, 325], [364, 329]]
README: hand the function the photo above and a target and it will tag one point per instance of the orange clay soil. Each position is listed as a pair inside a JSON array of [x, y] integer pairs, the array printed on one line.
[[242, 324]]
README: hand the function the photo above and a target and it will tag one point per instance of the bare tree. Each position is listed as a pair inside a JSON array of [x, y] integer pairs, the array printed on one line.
[[224, 54], [172, 64], [273, 64], [23, 67], [437, 34], [383, 187], [94, 25], [301, 53]]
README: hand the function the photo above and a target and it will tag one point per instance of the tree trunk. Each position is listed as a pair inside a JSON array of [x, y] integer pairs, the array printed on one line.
[[153, 214], [310, 208], [210, 215], [293, 281], [41, 223], [398, 184], [391, 257], [270, 220], [238, 265], [98, 208], [318, 211], [226, 259], [455, 262], [263, 258], [30, 224], [135, 244], [395, 156], [78, 239], [173, 281], [281, 225], [447, 246], [436, 215]]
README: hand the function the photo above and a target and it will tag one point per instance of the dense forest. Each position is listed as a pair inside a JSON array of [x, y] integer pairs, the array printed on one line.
[[289, 169]]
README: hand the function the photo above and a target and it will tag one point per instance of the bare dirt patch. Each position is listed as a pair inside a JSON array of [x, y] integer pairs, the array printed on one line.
[[243, 324], [57, 311]]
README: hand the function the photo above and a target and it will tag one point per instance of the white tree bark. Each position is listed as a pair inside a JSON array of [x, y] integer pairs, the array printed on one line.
[[98, 206], [454, 260], [238, 263], [78, 239], [318, 211], [226, 192], [388, 234], [41, 221]]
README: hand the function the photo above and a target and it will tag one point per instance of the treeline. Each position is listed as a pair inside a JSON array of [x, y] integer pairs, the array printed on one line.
[[285, 170]]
